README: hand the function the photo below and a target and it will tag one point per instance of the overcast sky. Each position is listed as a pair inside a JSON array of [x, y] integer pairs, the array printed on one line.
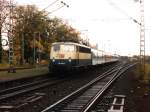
[[105, 22]]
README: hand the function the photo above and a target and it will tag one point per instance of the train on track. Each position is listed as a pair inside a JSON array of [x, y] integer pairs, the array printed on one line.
[[70, 55]]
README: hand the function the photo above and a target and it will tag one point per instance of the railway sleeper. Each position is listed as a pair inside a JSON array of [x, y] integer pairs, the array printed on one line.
[[85, 97], [23, 105], [91, 91], [80, 101], [89, 94], [34, 100], [73, 108], [6, 108], [99, 86], [69, 110], [100, 110], [75, 104]]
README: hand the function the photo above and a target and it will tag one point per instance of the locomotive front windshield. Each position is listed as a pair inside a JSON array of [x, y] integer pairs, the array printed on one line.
[[68, 48], [65, 48], [56, 47]]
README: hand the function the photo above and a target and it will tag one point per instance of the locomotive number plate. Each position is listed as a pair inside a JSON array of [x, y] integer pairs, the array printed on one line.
[[60, 55]]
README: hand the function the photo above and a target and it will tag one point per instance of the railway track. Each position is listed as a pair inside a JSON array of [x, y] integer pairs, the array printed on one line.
[[17, 82], [85, 97], [28, 87]]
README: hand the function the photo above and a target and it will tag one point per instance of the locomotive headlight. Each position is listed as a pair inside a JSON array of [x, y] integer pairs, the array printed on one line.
[[69, 59], [53, 59]]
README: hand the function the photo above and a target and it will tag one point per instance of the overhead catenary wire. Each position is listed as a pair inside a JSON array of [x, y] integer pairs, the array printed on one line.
[[142, 30], [113, 4], [63, 4], [55, 10], [50, 5]]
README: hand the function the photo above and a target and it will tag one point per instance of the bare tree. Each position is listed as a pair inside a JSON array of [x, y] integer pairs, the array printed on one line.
[[4, 12]]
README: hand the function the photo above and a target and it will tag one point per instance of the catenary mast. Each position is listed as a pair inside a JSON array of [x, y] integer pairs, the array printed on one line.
[[142, 37]]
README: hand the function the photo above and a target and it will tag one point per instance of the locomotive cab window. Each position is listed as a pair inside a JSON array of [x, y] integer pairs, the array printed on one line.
[[64, 47], [56, 47], [68, 48]]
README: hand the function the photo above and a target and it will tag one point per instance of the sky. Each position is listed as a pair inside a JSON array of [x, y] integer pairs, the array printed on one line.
[[104, 22]]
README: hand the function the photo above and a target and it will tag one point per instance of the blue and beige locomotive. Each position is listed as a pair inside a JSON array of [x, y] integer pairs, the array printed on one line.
[[69, 55]]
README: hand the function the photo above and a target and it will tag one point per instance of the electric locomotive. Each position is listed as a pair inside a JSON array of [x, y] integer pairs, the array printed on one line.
[[69, 55]]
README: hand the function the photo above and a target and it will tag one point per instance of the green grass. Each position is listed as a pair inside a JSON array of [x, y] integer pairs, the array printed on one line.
[[2, 66]]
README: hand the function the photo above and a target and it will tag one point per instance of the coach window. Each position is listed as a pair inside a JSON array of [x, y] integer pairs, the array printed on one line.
[[56, 47], [84, 50]]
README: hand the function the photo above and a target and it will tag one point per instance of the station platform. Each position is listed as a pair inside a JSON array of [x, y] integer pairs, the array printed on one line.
[[23, 73]]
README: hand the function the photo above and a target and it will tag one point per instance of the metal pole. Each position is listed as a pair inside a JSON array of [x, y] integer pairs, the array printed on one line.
[[10, 35], [142, 38], [22, 48], [34, 48], [39, 50]]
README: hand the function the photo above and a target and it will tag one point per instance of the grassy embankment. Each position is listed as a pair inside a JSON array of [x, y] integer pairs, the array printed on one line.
[[143, 77], [2, 66], [38, 70]]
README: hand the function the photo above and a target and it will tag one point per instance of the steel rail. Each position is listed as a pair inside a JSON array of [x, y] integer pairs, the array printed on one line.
[[97, 96], [82, 89], [9, 90], [24, 88], [28, 88]]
